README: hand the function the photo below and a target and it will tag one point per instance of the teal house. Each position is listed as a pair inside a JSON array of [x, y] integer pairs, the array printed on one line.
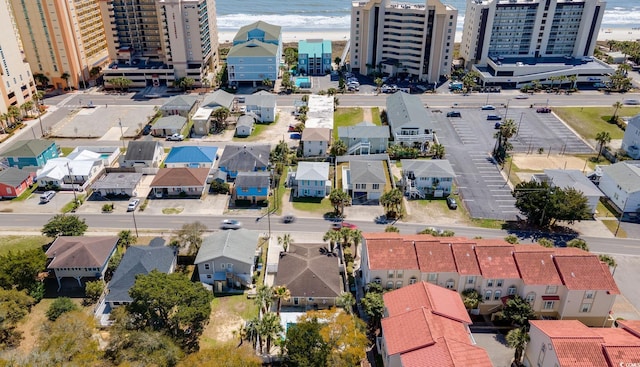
[[31, 153], [255, 55], [314, 57]]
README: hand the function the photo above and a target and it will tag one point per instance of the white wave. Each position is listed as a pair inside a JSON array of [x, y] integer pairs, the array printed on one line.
[[614, 18], [236, 21]]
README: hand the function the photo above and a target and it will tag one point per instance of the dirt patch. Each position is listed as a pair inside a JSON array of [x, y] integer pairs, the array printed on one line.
[[228, 314], [222, 327], [539, 162], [434, 212]]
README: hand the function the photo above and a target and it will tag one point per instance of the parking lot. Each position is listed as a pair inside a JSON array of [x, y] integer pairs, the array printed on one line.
[[469, 140]]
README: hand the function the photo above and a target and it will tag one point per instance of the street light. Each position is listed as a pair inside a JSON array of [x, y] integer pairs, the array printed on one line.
[[135, 225], [121, 132], [519, 122], [73, 187], [624, 206]]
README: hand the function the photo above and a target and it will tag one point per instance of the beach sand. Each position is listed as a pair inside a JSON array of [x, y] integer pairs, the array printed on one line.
[[605, 34]]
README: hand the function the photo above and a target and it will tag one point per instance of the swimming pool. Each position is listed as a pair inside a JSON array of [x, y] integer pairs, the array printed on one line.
[[303, 82]]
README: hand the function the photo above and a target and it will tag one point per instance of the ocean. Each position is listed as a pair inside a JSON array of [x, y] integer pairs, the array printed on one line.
[[335, 14]]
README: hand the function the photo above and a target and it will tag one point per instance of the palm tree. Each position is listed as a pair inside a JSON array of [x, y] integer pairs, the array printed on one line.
[[574, 81], [338, 148], [607, 259], [603, 138], [332, 237], [251, 331], [618, 105], [26, 107], [507, 130], [267, 82], [264, 298], [269, 328], [220, 116], [356, 237], [379, 83], [437, 150], [392, 202], [281, 293], [339, 199], [14, 113], [285, 240], [65, 76], [346, 301], [517, 339]]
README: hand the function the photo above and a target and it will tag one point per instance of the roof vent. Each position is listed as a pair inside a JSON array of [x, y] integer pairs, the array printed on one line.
[[573, 274]]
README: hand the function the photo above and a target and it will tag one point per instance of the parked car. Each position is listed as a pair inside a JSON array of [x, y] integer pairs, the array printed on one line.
[[543, 110], [382, 219], [632, 102], [488, 107], [175, 137], [454, 114], [522, 96], [295, 136], [230, 224], [292, 128], [289, 218], [451, 203], [133, 204], [497, 125], [146, 130], [47, 196], [494, 117]]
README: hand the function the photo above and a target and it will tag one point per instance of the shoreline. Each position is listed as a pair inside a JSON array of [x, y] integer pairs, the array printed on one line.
[[294, 35]]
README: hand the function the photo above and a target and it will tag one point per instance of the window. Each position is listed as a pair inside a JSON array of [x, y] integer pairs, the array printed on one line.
[[449, 284], [548, 305], [551, 289], [497, 295], [399, 284], [490, 283], [499, 282], [487, 295], [222, 265], [390, 284], [541, 355], [585, 307], [511, 290], [589, 294], [412, 280], [432, 277], [296, 301], [530, 298], [208, 276], [471, 280], [400, 274], [207, 266], [377, 280], [376, 186], [390, 274]]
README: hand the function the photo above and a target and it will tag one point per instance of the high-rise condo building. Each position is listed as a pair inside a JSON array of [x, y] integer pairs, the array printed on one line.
[[509, 39], [62, 40], [155, 42], [404, 39], [16, 82]]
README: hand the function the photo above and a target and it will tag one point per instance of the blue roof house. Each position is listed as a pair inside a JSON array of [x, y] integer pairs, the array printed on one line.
[[314, 57], [252, 186], [191, 157], [31, 153], [255, 55]]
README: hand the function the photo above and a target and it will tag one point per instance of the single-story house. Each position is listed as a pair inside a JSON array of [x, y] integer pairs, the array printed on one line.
[[312, 179], [172, 182], [262, 105], [143, 154], [31, 153], [192, 156], [631, 139], [75, 172], [252, 186], [574, 179], [408, 120], [311, 274], [80, 257], [244, 126], [182, 105], [109, 155], [244, 158], [212, 101], [315, 141], [118, 183], [364, 138], [620, 182], [14, 181], [226, 259], [166, 126], [421, 177]]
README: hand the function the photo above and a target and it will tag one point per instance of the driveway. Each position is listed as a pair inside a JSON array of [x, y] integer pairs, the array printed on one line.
[[33, 205]]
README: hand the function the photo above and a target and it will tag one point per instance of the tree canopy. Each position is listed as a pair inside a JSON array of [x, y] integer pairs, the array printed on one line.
[[60, 306], [14, 306], [223, 356], [304, 345], [171, 303], [544, 205], [518, 311], [64, 225], [20, 269]]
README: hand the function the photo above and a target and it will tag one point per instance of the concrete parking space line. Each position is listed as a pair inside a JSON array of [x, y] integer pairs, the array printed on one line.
[[468, 200]]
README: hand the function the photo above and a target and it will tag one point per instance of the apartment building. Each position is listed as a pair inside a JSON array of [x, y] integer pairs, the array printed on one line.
[[406, 39], [255, 55], [155, 42], [62, 40], [517, 41], [16, 81], [558, 283]]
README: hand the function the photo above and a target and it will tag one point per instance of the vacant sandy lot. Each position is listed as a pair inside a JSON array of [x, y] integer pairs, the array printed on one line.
[[538, 162]]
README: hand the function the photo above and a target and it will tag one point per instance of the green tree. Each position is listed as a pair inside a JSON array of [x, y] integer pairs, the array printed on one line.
[[546, 242], [608, 259], [392, 202], [65, 76], [373, 305], [618, 105], [171, 303], [544, 205], [578, 243], [264, 298], [346, 301], [281, 293], [220, 116], [332, 237], [14, 306], [190, 236], [379, 83], [506, 131], [437, 151], [518, 311], [60, 306], [339, 199], [291, 56], [338, 148], [267, 82], [391, 229], [42, 79], [64, 225], [517, 339], [470, 79], [471, 298], [344, 334], [225, 355], [93, 290], [305, 346], [269, 328], [285, 241], [603, 138], [20, 269], [126, 238], [512, 239]]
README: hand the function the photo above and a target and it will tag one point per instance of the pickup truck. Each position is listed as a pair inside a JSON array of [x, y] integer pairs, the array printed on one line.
[[175, 137]]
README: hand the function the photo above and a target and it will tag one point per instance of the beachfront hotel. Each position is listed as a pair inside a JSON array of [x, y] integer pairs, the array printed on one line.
[[512, 42], [16, 82], [61, 38], [404, 39], [155, 42]]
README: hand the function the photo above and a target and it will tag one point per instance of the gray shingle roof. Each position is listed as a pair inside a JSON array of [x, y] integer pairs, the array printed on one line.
[[141, 150], [316, 134], [261, 99], [309, 271], [626, 174], [316, 171], [239, 245], [245, 157], [252, 179], [170, 122], [428, 167], [363, 130], [253, 48], [635, 121], [245, 120], [218, 98], [179, 103], [117, 180], [405, 110], [138, 260], [28, 148], [13, 176], [572, 178], [367, 172]]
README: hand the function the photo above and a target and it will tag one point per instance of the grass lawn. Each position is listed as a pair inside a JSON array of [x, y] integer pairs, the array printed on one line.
[[258, 129], [279, 193], [172, 210], [313, 205], [17, 243], [25, 195], [375, 114], [589, 121], [612, 225], [346, 117], [66, 151]]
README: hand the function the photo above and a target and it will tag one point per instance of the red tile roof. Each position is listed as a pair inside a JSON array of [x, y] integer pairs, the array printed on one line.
[[435, 257], [391, 253], [579, 352], [632, 326], [622, 355], [496, 262], [181, 176], [585, 273], [447, 353], [537, 268], [465, 258], [441, 301], [564, 328], [407, 331]]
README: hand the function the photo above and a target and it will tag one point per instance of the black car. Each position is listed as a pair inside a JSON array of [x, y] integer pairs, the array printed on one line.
[[497, 125], [451, 203], [454, 114], [494, 117], [146, 130], [543, 110]]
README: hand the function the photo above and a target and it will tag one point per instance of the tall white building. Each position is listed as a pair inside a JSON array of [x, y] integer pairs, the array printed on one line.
[[154, 42], [16, 82], [405, 39], [515, 37]]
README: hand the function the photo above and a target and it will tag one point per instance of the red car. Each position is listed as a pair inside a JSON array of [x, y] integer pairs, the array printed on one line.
[[292, 128], [338, 225]]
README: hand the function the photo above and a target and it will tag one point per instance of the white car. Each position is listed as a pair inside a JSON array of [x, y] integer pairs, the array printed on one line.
[[175, 137], [230, 224], [631, 102], [522, 96], [47, 196], [133, 204]]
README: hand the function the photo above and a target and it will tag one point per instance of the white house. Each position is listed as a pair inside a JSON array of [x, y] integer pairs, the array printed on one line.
[[244, 126], [143, 154], [364, 138], [421, 177], [315, 141], [109, 155], [620, 182], [263, 105], [573, 179], [312, 179], [631, 139], [409, 121], [75, 172]]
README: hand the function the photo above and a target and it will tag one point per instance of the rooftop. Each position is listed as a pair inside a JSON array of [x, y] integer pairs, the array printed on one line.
[[81, 252], [314, 47]]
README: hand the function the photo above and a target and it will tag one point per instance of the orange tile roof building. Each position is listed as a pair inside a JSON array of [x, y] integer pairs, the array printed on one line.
[[569, 343], [560, 283], [427, 326]]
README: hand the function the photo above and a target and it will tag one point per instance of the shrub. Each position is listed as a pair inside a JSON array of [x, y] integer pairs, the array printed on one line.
[[108, 208], [60, 306]]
